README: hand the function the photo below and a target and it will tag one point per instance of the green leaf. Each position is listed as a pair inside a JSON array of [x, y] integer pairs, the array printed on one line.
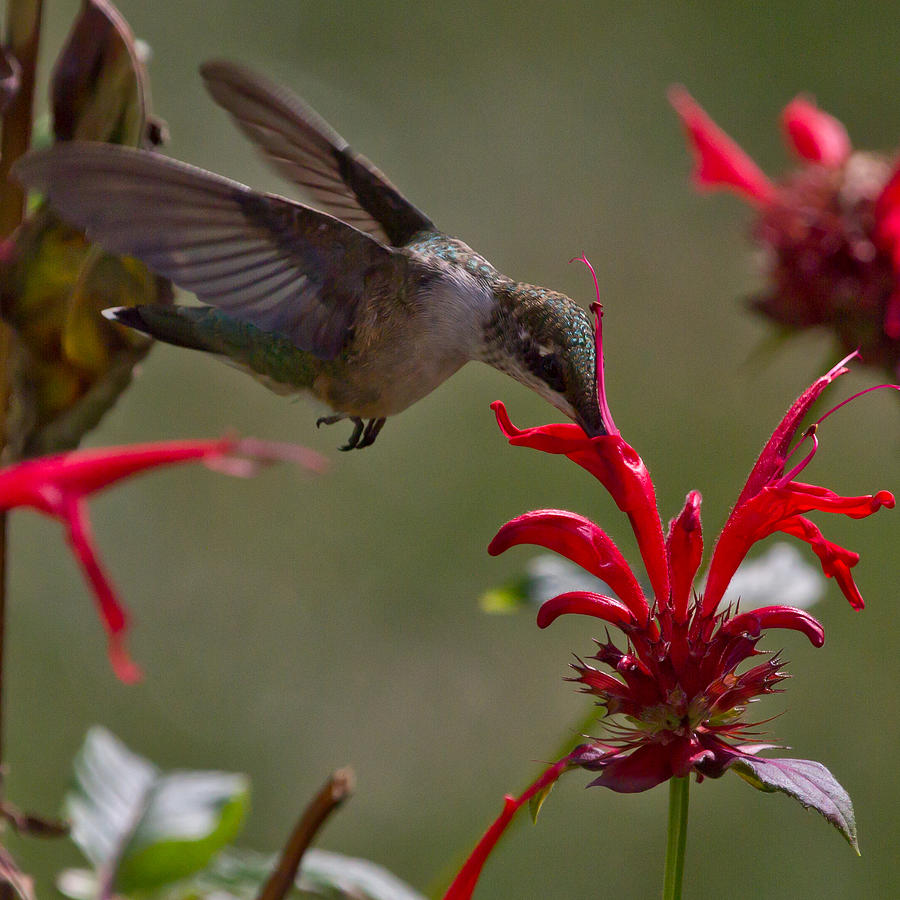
[[146, 827], [333, 875], [544, 577], [537, 801], [239, 875], [807, 781]]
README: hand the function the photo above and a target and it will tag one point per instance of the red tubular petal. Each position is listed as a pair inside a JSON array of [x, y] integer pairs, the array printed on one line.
[[753, 623], [769, 466], [57, 484], [619, 468], [814, 134], [464, 883], [112, 614], [623, 473], [836, 561], [780, 509], [585, 603], [558, 437], [763, 503], [720, 162], [684, 546], [580, 540], [82, 472]]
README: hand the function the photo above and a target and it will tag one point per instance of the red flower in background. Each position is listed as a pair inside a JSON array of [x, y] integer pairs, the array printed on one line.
[[831, 228], [59, 486], [674, 699]]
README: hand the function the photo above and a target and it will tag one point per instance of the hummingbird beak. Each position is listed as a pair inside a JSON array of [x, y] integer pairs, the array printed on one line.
[[592, 424]]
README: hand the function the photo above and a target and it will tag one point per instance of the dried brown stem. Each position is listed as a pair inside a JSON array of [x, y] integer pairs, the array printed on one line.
[[30, 824], [21, 37], [337, 789], [23, 28]]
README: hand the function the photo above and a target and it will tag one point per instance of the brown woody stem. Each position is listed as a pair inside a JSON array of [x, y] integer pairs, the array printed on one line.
[[21, 36], [337, 789]]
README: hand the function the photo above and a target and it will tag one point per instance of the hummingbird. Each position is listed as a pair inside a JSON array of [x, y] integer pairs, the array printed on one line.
[[362, 302]]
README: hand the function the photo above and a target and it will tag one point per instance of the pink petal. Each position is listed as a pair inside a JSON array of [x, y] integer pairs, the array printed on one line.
[[720, 162], [580, 540], [684, 547], [756, 621], [585, 603], [464, 883], [814, 134]]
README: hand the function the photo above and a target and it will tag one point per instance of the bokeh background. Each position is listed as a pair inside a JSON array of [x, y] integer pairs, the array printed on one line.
[[288, 625]]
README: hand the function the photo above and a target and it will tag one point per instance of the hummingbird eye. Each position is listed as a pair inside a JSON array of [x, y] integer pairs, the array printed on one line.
[[551, 372]]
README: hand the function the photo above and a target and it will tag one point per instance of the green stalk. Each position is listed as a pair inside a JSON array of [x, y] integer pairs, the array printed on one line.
[[679, 794]]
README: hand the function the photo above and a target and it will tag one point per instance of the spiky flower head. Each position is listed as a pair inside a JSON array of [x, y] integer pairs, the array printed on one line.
[[676, 695]]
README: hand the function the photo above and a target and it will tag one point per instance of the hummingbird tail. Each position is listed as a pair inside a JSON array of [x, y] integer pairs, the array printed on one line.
[[269, 357], [171, 324]]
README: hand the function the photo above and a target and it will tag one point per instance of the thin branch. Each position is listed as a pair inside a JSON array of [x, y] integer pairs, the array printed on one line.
[[28, 823], [23, 28], [334, 792], [21, 37]]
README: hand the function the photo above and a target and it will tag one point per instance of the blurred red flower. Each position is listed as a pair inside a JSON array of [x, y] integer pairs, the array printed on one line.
[[59, 485], [830, 228]]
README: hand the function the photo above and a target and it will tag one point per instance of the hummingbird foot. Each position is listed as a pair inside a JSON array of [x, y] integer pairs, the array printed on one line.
[[372, 428], [330, 420], [363, 434]]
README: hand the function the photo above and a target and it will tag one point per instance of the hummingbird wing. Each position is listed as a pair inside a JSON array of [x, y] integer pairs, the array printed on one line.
[[303, 148], [266, 260]]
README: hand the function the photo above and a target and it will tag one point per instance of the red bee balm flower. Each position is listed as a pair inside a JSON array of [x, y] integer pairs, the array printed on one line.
[[831, 228], [676, 685], [59, 485]]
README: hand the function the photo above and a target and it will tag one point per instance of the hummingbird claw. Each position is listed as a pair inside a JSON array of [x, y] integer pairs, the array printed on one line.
[[363, 434], [356, 435], [329, 420], [371, 432]]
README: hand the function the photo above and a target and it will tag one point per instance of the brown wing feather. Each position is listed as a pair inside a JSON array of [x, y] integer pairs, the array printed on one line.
[[303, 148], [269, 261]]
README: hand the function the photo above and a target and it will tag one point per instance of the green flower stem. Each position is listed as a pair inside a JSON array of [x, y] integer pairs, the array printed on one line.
[[679, 794]]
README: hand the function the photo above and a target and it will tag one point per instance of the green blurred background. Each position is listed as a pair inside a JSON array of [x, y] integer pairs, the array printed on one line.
[[287, 625]]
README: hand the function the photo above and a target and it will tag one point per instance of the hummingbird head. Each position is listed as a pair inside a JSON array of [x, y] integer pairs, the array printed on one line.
[[545, 340]]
